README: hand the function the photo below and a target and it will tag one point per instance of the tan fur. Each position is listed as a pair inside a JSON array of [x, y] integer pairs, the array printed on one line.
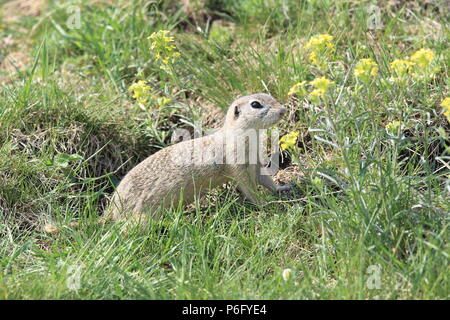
[[162, 178]]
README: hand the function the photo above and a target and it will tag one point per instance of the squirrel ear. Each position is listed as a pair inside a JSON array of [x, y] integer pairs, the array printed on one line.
[[236, 112]]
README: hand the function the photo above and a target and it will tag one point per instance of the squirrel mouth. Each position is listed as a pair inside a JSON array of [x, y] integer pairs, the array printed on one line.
[[277, 118], [281, 113]]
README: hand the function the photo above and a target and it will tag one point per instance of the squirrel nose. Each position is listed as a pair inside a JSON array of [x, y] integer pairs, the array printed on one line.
[[283, 110]]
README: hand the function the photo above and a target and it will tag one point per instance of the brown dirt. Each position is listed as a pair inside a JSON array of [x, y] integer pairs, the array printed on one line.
[[212, 116], [16, 60], [14, 9], [288, 175], [15, 55]]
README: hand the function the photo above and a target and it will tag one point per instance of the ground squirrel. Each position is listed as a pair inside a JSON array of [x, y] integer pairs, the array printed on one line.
[[188, 168]]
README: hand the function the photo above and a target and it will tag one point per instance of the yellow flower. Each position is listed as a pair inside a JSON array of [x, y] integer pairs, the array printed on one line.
[[320, 49], [298, 89], [394, 126], [446, 105], [423, 68], [321, 86], [365, 69], [143, 95], [288, 141], [401, 68], [162, 47], [163, 101], [313, 58], [320, 41], [316, 93], [423, 57], [161, 35], [141, 91]]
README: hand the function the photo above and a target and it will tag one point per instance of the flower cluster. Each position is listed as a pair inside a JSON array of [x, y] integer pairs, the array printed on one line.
[[446, 105], [400, 68], [365, 69], [143, 94], [394, 126], [163, 48], [422, 58], [418, 65], [287, 142], [321, 49], [141, 91], [163, 101], [298, 89], [321, 86]]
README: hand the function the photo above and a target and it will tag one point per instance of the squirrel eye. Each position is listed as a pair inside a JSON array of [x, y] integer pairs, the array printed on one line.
[[256, 105]]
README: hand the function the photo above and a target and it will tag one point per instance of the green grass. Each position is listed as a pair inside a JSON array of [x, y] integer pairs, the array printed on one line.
[[365, 200]]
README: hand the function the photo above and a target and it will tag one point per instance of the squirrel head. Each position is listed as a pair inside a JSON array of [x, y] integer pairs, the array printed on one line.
[[256, 111]]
